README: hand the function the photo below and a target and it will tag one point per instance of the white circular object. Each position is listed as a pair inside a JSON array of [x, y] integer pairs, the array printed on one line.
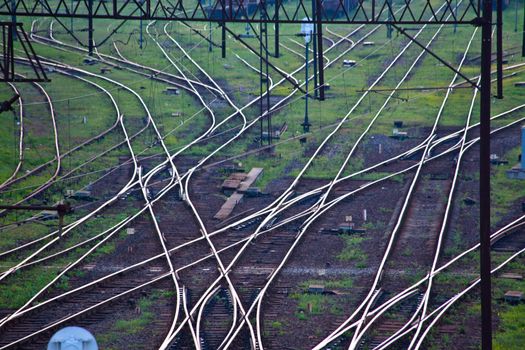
[[72, 338]]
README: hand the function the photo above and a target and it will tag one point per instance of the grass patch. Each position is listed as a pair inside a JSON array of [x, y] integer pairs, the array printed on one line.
[[351, 250]]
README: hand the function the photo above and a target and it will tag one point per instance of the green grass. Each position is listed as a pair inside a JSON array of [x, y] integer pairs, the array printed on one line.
[[19, 287], [318, 302], [505, 192], [512, 336], [330, 284], [14, 295], [352, 249], [134, 325], [509, 334]]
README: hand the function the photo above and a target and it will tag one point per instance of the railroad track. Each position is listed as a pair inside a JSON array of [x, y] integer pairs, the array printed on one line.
[[307, 223], [46, 184], [263, 227]]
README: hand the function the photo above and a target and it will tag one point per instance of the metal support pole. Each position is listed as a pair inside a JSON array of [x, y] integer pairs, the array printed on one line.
[[456, 15], [13, 19], [499, 48], [223, 31], [5, 40], [140, 34], [8, 58], [389, 18], [209, 24], [523, 39], [71, 22], [484, 176], [261, 103], [276, 33], [306, 124], [264, 28], [314, 34], [516, 15], [11, 52], [320, 51], [223, 44], [90, 28]]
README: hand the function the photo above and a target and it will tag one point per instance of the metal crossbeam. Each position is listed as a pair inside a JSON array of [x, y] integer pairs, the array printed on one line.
[[334, 11]]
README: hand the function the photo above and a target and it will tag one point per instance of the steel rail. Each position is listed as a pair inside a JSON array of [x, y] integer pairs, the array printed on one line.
[[203, 229], [437, 271], [116, 123], [264, 222], [373, 30], [237, 304], [314, 192], [357, 335], [40, 167], [73, 225], [67, 229], [398, 223], [292, 93], [45, 185], [127, 140], [70, 317]]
